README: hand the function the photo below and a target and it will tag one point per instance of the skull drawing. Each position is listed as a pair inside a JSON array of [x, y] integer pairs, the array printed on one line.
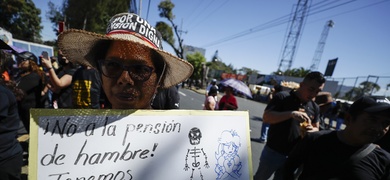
[[195, 135]]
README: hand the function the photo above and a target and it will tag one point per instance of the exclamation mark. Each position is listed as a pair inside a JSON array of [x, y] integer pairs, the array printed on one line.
[[154, 148]]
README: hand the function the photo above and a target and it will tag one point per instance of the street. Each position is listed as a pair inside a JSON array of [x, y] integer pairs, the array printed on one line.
[[190, 99]]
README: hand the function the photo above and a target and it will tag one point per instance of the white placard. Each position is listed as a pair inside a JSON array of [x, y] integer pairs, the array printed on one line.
[[143, 144]]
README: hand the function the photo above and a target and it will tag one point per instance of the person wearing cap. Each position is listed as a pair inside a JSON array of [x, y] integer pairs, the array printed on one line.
[[213, 83], [324, 101], [348, 153], [129, 58], [31, 80], [290, 115]]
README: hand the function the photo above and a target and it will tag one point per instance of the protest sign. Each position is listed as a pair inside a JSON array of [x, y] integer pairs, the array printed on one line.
[[139, 144]]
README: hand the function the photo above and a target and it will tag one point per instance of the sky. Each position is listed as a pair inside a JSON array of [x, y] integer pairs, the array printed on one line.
[[359, 38]]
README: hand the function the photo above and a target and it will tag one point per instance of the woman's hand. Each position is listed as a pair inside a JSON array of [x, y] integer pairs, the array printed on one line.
[[46, 63]]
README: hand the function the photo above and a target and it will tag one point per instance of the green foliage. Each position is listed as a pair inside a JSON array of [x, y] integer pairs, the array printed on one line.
[[197, 60], [165, 7], [21, 18], [365, 88], [295, 72], [89, 15], [248, 71], [216, 68], [166, 32], [55, 15]]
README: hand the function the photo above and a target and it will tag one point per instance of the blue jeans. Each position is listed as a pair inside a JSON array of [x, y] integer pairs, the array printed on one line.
[[270, 162], [264, 131]]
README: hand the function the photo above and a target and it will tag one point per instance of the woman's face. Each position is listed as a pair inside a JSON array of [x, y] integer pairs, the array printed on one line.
[[131, 89], [24, 65]]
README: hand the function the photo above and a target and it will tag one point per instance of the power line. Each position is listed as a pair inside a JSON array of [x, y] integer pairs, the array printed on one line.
[[283, 20], [212, 12], [196, 17], [194, 9]]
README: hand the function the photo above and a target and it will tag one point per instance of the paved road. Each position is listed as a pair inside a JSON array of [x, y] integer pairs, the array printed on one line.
[[193, 99]]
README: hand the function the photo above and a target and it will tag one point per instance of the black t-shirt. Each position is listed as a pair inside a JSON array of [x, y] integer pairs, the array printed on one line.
[[32, 85], [86, 88], [384, 142], [9, 125], [284, 135], [64, 97], [324, 156]]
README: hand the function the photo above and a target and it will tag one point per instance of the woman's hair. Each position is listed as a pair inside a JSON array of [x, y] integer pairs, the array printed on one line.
[[35, 68], [11, 85]]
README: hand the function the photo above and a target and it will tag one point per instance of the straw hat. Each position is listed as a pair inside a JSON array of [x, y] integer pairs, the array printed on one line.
[[77, 45], [324, 98]]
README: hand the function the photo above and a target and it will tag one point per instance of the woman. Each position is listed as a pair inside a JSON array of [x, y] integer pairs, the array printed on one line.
[[129, 58], [31, 81], [60, 84], [211, 102], [228, 101]]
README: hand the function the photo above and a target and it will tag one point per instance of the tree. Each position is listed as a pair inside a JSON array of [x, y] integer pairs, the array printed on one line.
[[197, 60], [365, 88], [89, 15], [248, 71], [217, 67], [369, 87], [354, 94], [165, 7], [55, 14], [21, 18], [295, 72]]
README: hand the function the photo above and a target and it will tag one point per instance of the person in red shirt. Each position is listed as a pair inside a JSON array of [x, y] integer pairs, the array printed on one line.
[[228, 101]]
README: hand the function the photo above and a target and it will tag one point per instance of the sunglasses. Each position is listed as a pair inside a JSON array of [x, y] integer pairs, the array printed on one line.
[[114, 69]]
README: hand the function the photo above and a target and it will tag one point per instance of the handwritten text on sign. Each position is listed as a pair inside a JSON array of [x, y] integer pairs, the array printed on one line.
[[139, 145]]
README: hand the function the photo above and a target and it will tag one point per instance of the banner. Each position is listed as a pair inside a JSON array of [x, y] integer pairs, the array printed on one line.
[[330, 67], [143, 144]]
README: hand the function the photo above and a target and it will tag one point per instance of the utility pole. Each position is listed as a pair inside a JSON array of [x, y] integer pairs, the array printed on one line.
[[320, 47], [293, 36], [181, 29]]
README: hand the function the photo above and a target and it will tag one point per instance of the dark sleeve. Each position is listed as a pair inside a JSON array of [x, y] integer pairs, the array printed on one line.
[[296, 158], [173, 98], [70, 71], [4, 105], [276, 101], [317, 113], [29, 82]]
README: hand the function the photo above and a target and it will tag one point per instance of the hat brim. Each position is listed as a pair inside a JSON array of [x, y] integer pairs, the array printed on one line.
[[324, 98], [76, 44]]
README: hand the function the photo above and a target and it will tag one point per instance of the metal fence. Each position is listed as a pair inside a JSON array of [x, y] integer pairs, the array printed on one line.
[[359, 86]]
